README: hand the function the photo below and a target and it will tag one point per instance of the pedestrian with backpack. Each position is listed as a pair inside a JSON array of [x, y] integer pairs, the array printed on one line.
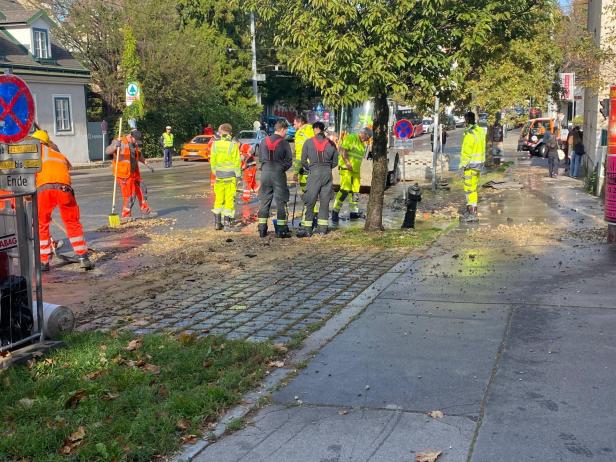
[[551, 144], [275, 157], [576, 151]]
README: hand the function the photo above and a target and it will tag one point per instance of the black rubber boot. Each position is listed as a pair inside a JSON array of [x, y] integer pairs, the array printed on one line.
[[321, 229], [217, 221], [283, 232], [263, 230], [45, 266], [85, 263], [315, 223], [355, 216], [227, 223], [335, 217], [304, 231]]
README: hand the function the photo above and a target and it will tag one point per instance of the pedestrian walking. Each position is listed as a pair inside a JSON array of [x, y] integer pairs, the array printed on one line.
[[303, 133], [352, 153], [551, 144], [275, 157], [497, 141], [166, 141], [226, 165], [54, 190], [472, 159], [128, 175], [576, 151], [319, 157]]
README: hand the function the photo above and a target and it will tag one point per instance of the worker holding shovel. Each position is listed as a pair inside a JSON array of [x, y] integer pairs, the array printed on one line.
[[126, 157], [53, 184]]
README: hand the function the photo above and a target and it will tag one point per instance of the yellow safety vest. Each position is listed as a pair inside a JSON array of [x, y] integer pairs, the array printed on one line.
[[225, 159], [301, 136], [355, 149], [473, 153], [168, 140]]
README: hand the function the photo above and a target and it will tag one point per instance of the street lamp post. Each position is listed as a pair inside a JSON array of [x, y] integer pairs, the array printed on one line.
[[255, 85]]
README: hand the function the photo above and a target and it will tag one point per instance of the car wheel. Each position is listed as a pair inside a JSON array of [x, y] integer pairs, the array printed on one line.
[[543, 151]]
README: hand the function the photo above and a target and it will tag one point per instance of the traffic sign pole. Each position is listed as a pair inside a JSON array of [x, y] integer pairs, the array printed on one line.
[[435, 143]]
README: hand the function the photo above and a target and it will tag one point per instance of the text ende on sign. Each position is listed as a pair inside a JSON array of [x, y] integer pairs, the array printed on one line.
[[19, 181]]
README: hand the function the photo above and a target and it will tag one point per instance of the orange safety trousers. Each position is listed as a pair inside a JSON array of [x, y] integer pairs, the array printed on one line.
[[132, 187], [250, 182], [48, 200]]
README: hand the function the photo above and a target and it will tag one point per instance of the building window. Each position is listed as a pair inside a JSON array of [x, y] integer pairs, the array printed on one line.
[[41, 44], [62, 108]]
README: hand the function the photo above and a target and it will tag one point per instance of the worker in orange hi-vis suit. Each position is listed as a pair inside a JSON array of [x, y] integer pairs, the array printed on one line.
[[53, 184], [249, 171], [128, 174]]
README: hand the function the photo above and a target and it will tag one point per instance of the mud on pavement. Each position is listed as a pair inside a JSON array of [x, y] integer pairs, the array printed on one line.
[[201, 281]]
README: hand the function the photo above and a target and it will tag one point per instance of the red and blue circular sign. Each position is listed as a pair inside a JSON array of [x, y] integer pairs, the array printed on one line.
[[16, 109], [404, 129]]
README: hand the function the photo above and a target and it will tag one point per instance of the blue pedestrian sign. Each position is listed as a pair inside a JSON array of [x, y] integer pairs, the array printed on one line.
[[133, 93], [16, 109], [404, 129]]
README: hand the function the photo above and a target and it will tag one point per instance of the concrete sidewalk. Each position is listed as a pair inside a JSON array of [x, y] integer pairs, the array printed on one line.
[[508, 328]]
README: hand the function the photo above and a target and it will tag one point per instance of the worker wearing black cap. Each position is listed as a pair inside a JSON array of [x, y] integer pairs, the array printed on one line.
[[128, 174]]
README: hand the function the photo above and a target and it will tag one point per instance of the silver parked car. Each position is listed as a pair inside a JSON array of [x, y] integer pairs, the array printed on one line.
[[251, 137]]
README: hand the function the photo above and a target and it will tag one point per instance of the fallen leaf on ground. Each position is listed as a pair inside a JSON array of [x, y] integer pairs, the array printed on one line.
[[37, 354], [188, 439], [26, 402], [94, 375], [75, 398], [343, 412], [207, 363], [31, 363], [436, 414], [429, 455], [152, 368], [73, 441], [276, 364], [182, 424], [109, 396], [281, 347], [187, 338], [134, 344]]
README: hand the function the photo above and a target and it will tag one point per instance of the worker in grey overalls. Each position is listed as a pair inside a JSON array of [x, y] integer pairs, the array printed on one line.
[[275, 157], [319, 157]]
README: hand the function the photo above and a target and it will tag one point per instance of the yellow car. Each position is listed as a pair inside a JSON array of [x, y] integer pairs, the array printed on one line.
[[197, 149]]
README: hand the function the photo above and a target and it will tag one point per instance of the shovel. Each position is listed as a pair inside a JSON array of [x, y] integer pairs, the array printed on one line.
[[114, 218]]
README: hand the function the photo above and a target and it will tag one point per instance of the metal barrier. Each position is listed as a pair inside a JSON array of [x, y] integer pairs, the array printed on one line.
[[21, 299]]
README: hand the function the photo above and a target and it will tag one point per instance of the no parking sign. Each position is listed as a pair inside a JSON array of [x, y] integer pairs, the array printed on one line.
[[403, 129], [17, 109]]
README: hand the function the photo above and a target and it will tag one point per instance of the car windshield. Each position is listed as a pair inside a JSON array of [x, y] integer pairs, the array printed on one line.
[[201, 139], [427, 121], [247, 134]]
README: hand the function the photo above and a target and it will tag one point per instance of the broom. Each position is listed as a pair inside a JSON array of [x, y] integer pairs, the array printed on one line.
[[114, 219]]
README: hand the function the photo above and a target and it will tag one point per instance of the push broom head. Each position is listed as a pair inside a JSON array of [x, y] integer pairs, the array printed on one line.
[[114, 220]]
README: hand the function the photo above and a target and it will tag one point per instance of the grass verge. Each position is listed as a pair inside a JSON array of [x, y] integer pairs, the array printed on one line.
[[425, 233], [114, 398]]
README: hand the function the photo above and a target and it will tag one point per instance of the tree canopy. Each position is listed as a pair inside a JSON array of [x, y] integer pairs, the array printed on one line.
[[351, 50]]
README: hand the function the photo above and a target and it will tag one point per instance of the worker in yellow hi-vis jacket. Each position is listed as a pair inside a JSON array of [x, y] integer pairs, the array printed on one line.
[[226, 165], [472, 158]]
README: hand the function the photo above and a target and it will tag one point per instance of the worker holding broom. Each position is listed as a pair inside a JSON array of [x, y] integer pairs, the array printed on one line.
[[126, 157], [53, 184]]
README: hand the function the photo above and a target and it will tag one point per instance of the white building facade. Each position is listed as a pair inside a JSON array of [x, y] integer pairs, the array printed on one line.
[[57, 81]]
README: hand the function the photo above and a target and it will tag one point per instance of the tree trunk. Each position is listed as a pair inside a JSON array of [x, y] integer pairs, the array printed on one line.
[[374, 215]]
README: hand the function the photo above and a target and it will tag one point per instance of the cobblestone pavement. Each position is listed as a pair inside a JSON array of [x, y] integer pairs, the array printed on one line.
[[258, 306]]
